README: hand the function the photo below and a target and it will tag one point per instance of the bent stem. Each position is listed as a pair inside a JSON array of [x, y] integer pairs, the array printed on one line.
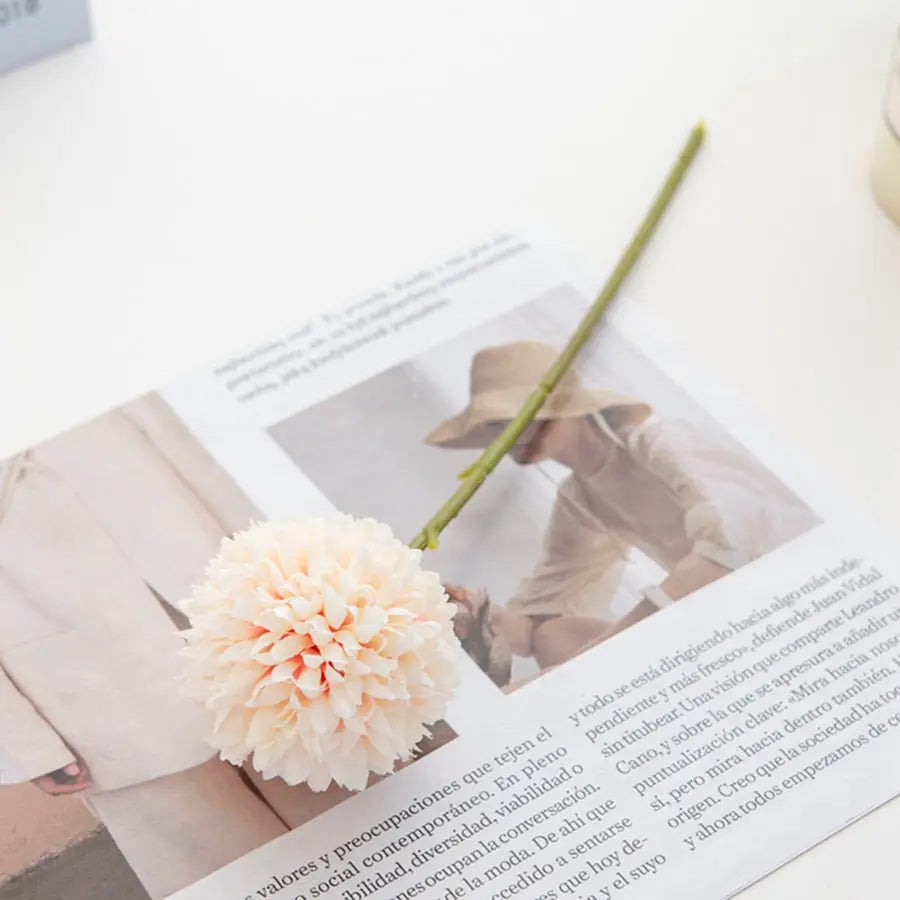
[[473, 477]]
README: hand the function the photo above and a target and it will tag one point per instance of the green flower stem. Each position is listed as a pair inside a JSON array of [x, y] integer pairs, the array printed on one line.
[[473, 477]]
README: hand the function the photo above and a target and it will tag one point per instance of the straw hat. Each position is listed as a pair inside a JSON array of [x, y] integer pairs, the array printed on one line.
[[501, 380]]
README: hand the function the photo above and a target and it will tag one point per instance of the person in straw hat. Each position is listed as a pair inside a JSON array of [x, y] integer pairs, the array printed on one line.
[[690, 498]]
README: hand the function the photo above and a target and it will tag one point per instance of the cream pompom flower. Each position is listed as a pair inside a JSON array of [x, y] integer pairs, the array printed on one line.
[[321, 649]]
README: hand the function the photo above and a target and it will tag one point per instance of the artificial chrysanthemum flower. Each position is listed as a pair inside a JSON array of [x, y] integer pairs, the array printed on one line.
[[321, 649]]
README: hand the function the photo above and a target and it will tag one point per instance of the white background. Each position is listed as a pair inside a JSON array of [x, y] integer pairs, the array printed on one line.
[[207, 173]]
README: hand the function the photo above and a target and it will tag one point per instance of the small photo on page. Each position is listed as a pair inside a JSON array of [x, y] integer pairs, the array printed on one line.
[[623, 496], [104, 530]]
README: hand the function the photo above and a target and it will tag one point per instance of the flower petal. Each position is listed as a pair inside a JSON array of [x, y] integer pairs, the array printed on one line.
[[320, 648]]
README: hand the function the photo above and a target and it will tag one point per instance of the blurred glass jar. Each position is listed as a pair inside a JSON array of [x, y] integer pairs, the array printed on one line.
[[886, 161]]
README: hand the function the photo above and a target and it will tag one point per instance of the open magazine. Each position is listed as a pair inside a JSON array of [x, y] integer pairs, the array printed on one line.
[[589, 752]]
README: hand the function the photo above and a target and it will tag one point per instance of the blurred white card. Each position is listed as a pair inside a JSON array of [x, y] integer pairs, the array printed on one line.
[[33, 29]]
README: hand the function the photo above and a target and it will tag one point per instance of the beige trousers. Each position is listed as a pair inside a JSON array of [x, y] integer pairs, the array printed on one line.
[[298, 805], [177, 829]]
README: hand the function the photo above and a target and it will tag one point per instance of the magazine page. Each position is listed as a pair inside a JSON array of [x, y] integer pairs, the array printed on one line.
[[681, 652]]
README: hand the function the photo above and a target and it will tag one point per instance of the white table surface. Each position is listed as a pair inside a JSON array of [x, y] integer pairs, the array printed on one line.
[[205, 173]]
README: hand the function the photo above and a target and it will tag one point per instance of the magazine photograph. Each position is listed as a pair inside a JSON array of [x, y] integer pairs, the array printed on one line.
[[623, 485]]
